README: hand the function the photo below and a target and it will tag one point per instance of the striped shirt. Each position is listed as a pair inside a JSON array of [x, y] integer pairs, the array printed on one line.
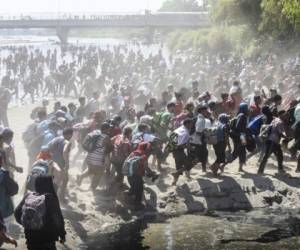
[[97, 157]]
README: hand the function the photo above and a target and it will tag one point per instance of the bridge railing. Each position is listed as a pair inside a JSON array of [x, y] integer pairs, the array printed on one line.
[[98, 16]]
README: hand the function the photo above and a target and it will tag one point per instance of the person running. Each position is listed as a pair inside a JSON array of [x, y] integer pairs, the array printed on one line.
[[272, 144], [60, 148], [238, 134], [182, 139], [44, 165], [7, 152], [137, 162], [8, 188], [122, 149], [96, 157], [198, 148], [40, 215], [222, 144]]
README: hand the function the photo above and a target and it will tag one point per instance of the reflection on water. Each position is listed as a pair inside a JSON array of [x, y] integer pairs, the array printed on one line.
[[258, 229], [243, 231]]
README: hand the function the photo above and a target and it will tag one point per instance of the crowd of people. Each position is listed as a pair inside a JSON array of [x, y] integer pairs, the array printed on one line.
[[130, 106]]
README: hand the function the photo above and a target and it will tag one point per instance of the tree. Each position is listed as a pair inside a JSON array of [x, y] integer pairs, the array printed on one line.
[[237, 12], [180, 6], [291, 9], [280, 17], [270, 17]]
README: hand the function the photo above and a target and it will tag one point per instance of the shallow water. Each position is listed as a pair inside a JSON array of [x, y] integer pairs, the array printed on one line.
[[258, 229]]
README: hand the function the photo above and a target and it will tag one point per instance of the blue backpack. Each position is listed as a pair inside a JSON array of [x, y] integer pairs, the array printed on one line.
[[131, 165], [255, 125]]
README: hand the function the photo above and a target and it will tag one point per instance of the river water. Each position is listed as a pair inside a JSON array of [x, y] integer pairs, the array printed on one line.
[[266, 229]]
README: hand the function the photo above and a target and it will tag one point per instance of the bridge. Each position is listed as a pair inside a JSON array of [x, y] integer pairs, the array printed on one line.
[[63, 23]]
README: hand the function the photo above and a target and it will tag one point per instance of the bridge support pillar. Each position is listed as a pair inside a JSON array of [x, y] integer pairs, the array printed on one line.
[[62, 34], [150, 32]]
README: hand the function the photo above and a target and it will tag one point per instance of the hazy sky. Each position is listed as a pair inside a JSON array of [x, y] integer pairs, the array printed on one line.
[[78, 5]]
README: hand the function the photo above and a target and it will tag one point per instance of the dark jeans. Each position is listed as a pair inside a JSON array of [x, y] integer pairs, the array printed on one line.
[[239, 150], [181, 160], [271, 147], [220, 148], [136, 187], [118, 167], [48, 246], [199, 152]]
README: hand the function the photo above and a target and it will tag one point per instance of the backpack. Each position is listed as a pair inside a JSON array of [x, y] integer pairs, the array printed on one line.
[[89, 143], [255, 125], [33, 212], [172, 142], [120, 151], [40, 168], [131, 165], [211, 135], [265, 132]]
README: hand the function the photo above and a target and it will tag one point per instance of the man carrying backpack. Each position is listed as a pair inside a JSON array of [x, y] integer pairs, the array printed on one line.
[[42, 167], [238, 135], [198, 150], [98, 145], [40, 215], [222, 144], [135, 167], [121, 150], [182, 161], [273, 143]]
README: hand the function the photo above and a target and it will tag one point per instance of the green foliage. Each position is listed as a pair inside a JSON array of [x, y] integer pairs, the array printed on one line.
[[273, 20], [236, 12], [180, 6], [226, 11], [291, 9], [270, 17], [245, 27], [215, 40]]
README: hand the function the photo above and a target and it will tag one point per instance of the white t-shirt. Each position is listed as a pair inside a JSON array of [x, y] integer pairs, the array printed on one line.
[[183, 135]]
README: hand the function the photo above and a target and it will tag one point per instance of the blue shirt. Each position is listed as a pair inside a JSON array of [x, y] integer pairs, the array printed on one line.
[[48, 136]]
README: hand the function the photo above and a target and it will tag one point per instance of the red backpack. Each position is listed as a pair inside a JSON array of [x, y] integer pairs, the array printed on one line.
[[121, 149]]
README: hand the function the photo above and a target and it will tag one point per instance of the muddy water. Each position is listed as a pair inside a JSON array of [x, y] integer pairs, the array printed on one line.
[[267, 229], [203, 232]]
